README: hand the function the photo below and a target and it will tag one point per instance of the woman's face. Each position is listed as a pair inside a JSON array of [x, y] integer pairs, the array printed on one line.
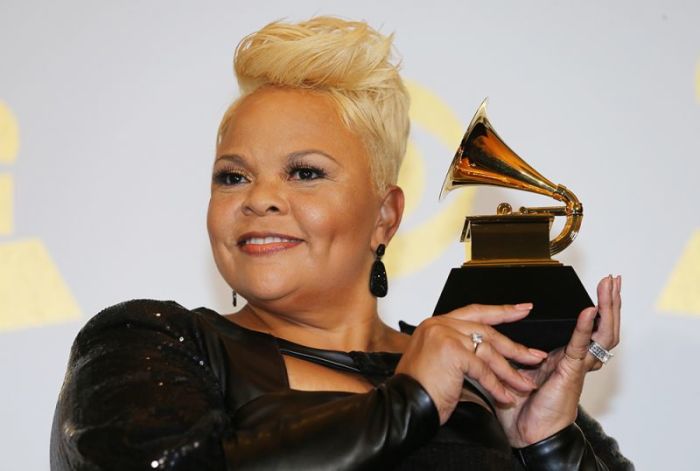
[[293, 216]]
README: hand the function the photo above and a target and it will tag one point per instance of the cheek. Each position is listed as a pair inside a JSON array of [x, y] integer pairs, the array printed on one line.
[[213, 221], [344, 218], [219, 220]]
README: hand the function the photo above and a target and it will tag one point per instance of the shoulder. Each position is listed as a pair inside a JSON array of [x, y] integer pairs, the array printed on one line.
[[140, 318], [138, 376], [140, 339], [138, 312]]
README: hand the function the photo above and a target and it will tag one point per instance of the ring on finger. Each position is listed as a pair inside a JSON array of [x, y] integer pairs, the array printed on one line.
[[598, 351], [478, 339]]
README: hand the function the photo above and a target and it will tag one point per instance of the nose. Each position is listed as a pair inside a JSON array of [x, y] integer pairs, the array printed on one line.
[[263, 198]]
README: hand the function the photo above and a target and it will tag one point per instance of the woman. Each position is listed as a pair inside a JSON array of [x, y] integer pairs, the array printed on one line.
[[303, 203]]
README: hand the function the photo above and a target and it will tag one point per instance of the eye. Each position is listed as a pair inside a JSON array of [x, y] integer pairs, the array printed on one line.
[[229, 178], [306, 173]]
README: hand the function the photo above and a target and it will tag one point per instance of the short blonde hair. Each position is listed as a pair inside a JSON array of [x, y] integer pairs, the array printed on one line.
[[347, 60]]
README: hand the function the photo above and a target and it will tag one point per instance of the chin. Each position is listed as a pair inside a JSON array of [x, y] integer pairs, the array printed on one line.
[[268, 288]]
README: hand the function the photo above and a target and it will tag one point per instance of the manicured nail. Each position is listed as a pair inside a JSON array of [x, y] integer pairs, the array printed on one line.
[[523, 306], [537, 353]]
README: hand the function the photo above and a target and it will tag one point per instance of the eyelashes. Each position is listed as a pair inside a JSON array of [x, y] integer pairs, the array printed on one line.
[[294, 172], [305, 172], [227, 177]]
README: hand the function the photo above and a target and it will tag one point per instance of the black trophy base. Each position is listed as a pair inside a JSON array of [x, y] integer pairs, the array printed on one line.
[[556, 292]]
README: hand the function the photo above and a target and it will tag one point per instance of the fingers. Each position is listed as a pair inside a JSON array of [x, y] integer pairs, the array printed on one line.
[[617, 308], [606, 325], [479, 371], [609, 302], [486, 355], [503, 370], [502, 344], [513, 350], [451, 340], [491, 314], [576, 351]]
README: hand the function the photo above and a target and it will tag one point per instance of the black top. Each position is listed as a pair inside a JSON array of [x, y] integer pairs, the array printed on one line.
[[152, 385]]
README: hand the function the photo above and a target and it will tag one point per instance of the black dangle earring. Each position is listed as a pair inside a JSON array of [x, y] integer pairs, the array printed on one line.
[[378, 284], [234, 298]]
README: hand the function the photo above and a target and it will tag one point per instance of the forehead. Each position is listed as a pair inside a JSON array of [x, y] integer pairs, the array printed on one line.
[[279, 121]]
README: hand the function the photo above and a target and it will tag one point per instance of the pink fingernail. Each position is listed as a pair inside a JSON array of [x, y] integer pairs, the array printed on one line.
[[537, 353], [523, 306]]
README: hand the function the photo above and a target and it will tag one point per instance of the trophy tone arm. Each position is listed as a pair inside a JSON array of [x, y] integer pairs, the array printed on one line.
[[574, 216]]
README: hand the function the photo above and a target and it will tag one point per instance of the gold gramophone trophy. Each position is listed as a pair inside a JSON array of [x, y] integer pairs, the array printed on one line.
[[511, 252]]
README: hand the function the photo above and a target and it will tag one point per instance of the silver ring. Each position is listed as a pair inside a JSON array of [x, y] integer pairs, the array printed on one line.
[[477, 338], [595, 349]]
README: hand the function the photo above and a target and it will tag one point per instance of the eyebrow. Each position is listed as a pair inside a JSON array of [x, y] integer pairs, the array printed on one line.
[[237, 159], [302, 153]]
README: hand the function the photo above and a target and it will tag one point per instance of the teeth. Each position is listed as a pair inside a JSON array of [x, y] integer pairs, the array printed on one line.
[[266, 240]]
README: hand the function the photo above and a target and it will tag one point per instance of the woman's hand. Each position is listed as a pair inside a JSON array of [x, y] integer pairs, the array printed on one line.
[[553, 405], [441, 353]]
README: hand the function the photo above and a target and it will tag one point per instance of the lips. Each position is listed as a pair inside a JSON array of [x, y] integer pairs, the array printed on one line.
[[262, 244]]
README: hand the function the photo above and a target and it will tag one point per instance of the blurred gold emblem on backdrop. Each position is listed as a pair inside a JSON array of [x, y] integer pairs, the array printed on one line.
[[681, 295], [426, 240], [32, 291], [697, 82]]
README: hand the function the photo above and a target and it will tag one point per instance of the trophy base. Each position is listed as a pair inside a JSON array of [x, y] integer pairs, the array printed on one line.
[[555, 291]]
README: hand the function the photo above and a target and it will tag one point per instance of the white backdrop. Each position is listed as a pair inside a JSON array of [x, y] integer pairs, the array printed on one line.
[[108, 112]]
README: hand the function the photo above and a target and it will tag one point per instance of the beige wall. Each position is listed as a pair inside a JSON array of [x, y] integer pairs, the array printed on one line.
[[107, 120]]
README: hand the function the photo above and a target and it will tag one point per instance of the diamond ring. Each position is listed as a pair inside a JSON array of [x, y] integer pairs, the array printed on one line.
[[599, 352], [477, 338]]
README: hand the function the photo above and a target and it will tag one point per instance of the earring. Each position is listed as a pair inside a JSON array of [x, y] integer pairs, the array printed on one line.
[[234, 298], [378, 283]]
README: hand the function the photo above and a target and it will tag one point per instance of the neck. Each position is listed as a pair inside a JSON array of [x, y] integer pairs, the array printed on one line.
[[343, 328]]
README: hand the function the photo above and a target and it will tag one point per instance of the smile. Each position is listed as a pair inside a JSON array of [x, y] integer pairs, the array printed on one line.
[[266, 244], [267, 240]]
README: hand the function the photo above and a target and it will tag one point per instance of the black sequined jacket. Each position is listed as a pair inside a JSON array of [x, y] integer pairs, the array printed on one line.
[[152, 385]]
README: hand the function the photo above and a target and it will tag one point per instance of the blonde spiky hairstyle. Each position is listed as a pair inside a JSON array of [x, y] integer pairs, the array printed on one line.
[[347, 60]]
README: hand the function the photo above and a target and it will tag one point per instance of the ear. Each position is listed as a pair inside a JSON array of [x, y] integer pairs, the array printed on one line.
[[390, 213]]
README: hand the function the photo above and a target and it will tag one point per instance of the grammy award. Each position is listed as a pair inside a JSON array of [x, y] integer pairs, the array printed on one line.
[[510, 259]]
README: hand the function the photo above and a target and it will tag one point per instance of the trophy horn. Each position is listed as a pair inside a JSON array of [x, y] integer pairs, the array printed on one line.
[[483, 158]]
